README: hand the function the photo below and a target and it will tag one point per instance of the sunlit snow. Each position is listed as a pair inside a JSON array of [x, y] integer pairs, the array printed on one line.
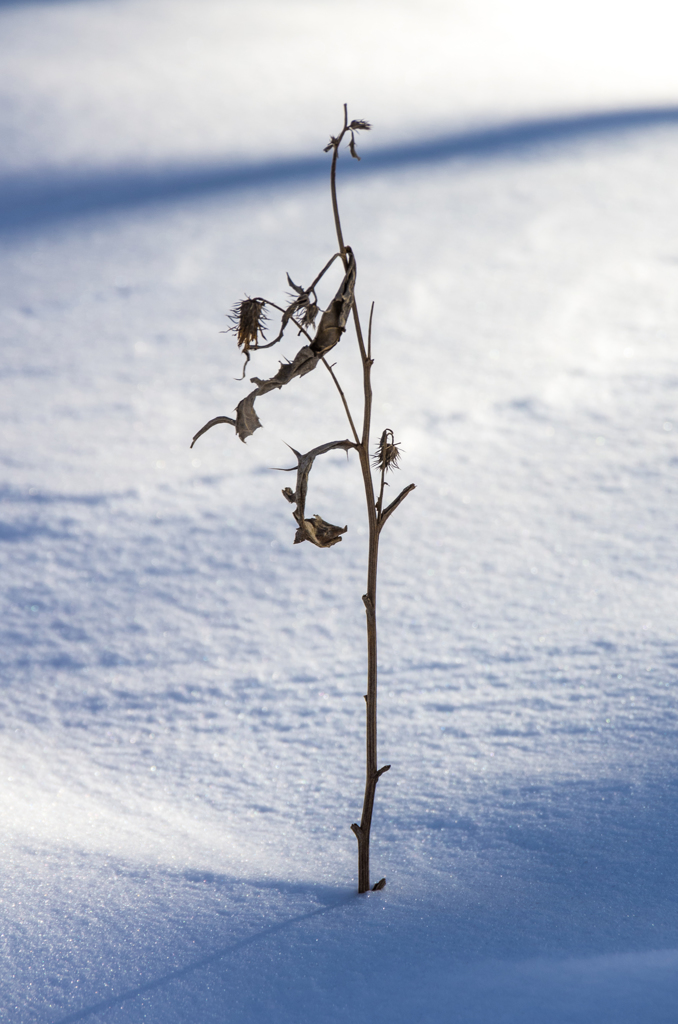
[[182, 729]]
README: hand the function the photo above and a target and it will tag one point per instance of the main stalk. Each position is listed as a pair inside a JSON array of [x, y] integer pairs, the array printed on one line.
[[362, 831], [372, 774]]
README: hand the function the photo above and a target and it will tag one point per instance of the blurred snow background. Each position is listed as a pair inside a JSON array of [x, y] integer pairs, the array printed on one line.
[[182, 713]]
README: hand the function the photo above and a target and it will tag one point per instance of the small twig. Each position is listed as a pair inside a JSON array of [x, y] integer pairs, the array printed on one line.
[[337, 224], [333, 186], [390, 509], [270, 344], [311, 287], [212, 423], [343, 398], [369, 334], [380, 499]]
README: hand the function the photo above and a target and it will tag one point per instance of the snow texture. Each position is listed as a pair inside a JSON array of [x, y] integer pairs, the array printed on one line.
[[182, 718]]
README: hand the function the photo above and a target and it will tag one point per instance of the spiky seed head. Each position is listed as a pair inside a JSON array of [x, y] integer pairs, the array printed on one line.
[[387, 455], [248, 318], [310, 312], [357, 126], [303, 309]]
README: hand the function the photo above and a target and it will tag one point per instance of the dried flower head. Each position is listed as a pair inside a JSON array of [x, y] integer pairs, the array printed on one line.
[[304, 308], [307, 314], [353, 127], [387, 455], [248, 318], [357, 126]]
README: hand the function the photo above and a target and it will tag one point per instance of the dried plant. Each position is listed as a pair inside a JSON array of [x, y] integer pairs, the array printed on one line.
[[249, 318]]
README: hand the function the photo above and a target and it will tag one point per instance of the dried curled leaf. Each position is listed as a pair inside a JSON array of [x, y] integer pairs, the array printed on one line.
[[315, 529], [210, 424], [333, 321], [246, 419], [331, 327], [320, 533]]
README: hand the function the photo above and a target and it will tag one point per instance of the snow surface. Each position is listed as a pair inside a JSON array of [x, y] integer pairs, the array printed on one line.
[[182, 713]]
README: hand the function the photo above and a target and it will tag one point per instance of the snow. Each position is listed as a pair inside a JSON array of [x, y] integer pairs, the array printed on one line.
[[182, 712]]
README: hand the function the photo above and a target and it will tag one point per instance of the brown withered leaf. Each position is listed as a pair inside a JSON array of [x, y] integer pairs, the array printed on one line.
[[246, 419], [331, 327], [316, 530], [210, 424], [333, 321], [295, 287], [320, 533]]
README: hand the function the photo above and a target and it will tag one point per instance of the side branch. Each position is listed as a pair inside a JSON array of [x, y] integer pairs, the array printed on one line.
[[390, 509], [212, 423], [343, 398]]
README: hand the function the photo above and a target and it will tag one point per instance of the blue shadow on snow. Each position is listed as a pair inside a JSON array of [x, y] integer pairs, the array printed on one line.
[[31, 200], [580, 868]]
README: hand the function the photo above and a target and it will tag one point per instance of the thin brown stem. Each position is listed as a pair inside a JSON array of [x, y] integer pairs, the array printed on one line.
[[367, 408], [337, 223], [372, 774], [333, 186], [390, 509], [343, 398], [369, 333], [322, 273], [370, 601], [270, 344], [380, 499], [359, 334], [362, 832]]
